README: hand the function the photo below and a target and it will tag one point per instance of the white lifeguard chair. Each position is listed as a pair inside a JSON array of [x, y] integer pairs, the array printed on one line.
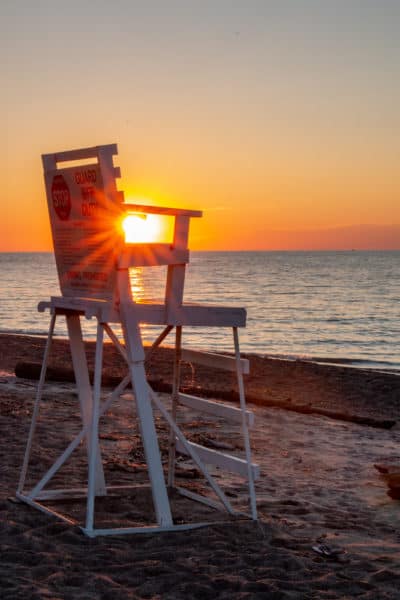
[[93, 262]]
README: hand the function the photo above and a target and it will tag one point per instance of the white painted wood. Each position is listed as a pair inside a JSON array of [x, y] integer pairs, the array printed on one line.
[[35, 413], [250, 473], [188, 315], [146, 529], [207, 316], [150, 255], [78, 305], [115, 341], [94, 451], [81, 153], [112, 303], [109, 174], [49, 162], [37, 490], [160, 210], [190, 450], [154, 314], [158, 341], [174, 399], [220, 459], [174, 288], [217, 409], [45, 509], [84, 389], [135, 353], [176, 272], [191, 315], [149, 350], [217, 361], [181, 231], [88, 307], [76, 196]]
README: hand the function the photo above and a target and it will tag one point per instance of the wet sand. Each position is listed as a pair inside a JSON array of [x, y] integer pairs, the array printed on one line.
[[327, 529]]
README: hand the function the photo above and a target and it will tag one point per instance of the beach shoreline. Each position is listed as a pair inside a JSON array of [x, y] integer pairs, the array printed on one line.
[[327, 528], [285, 383]]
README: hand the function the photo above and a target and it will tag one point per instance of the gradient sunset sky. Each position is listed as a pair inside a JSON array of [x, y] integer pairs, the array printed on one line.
[[279, 119]]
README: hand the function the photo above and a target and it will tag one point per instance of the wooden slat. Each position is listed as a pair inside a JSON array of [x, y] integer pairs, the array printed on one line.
[[217, 409], [218, 361], [149, 255], [101, 309], [225, 461], [83, 153], [207, 316], [194, 316], [161, 210], [153, 314]]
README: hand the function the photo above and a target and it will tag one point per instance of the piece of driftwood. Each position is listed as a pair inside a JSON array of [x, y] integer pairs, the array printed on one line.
[[31, 370]]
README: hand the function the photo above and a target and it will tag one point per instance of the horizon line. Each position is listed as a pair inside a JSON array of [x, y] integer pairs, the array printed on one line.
[[372, 249]]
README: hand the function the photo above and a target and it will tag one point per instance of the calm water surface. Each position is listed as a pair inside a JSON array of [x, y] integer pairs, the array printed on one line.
[[334, 306]]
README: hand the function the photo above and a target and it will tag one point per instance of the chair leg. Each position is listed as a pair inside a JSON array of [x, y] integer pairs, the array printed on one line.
[[94, 454], [245, 429], [38, 398], [136, 357], [175, 392], [84, 389]]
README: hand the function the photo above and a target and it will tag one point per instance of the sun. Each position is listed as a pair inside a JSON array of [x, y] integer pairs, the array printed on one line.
[[141, 229]]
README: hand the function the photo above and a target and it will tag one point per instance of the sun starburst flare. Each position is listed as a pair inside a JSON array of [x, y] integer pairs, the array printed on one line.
[[142, 229]]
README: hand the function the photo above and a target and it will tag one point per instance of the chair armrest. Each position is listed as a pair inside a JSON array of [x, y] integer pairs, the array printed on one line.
[[160, 210]]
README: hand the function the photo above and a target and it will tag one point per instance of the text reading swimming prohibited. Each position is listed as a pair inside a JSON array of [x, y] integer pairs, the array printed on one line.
[[61, 197]]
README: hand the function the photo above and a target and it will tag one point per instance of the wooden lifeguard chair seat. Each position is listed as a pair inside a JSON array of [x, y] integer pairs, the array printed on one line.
[[93, 262]]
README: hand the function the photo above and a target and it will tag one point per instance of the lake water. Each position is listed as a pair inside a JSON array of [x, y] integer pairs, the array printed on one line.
[[341, 307]]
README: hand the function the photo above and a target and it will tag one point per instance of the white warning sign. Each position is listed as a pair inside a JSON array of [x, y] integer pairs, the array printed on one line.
[[86, 231]]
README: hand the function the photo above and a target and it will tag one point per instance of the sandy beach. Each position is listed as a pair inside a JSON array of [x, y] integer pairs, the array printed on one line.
[[328, 527]]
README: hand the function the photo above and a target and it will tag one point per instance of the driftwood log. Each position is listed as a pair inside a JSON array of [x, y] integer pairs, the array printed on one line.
[[31, 370]]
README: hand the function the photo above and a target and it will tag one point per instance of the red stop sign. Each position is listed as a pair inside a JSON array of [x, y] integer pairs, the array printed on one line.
[[61, 197]]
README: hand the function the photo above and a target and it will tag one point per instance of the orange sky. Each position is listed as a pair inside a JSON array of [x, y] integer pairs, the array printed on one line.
[[280, 123]]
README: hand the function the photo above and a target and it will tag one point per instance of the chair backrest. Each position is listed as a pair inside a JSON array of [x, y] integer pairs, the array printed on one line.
[[85, 210]]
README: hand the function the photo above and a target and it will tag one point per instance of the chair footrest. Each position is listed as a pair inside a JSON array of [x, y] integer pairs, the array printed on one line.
[[231, 413], [220, 459]]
